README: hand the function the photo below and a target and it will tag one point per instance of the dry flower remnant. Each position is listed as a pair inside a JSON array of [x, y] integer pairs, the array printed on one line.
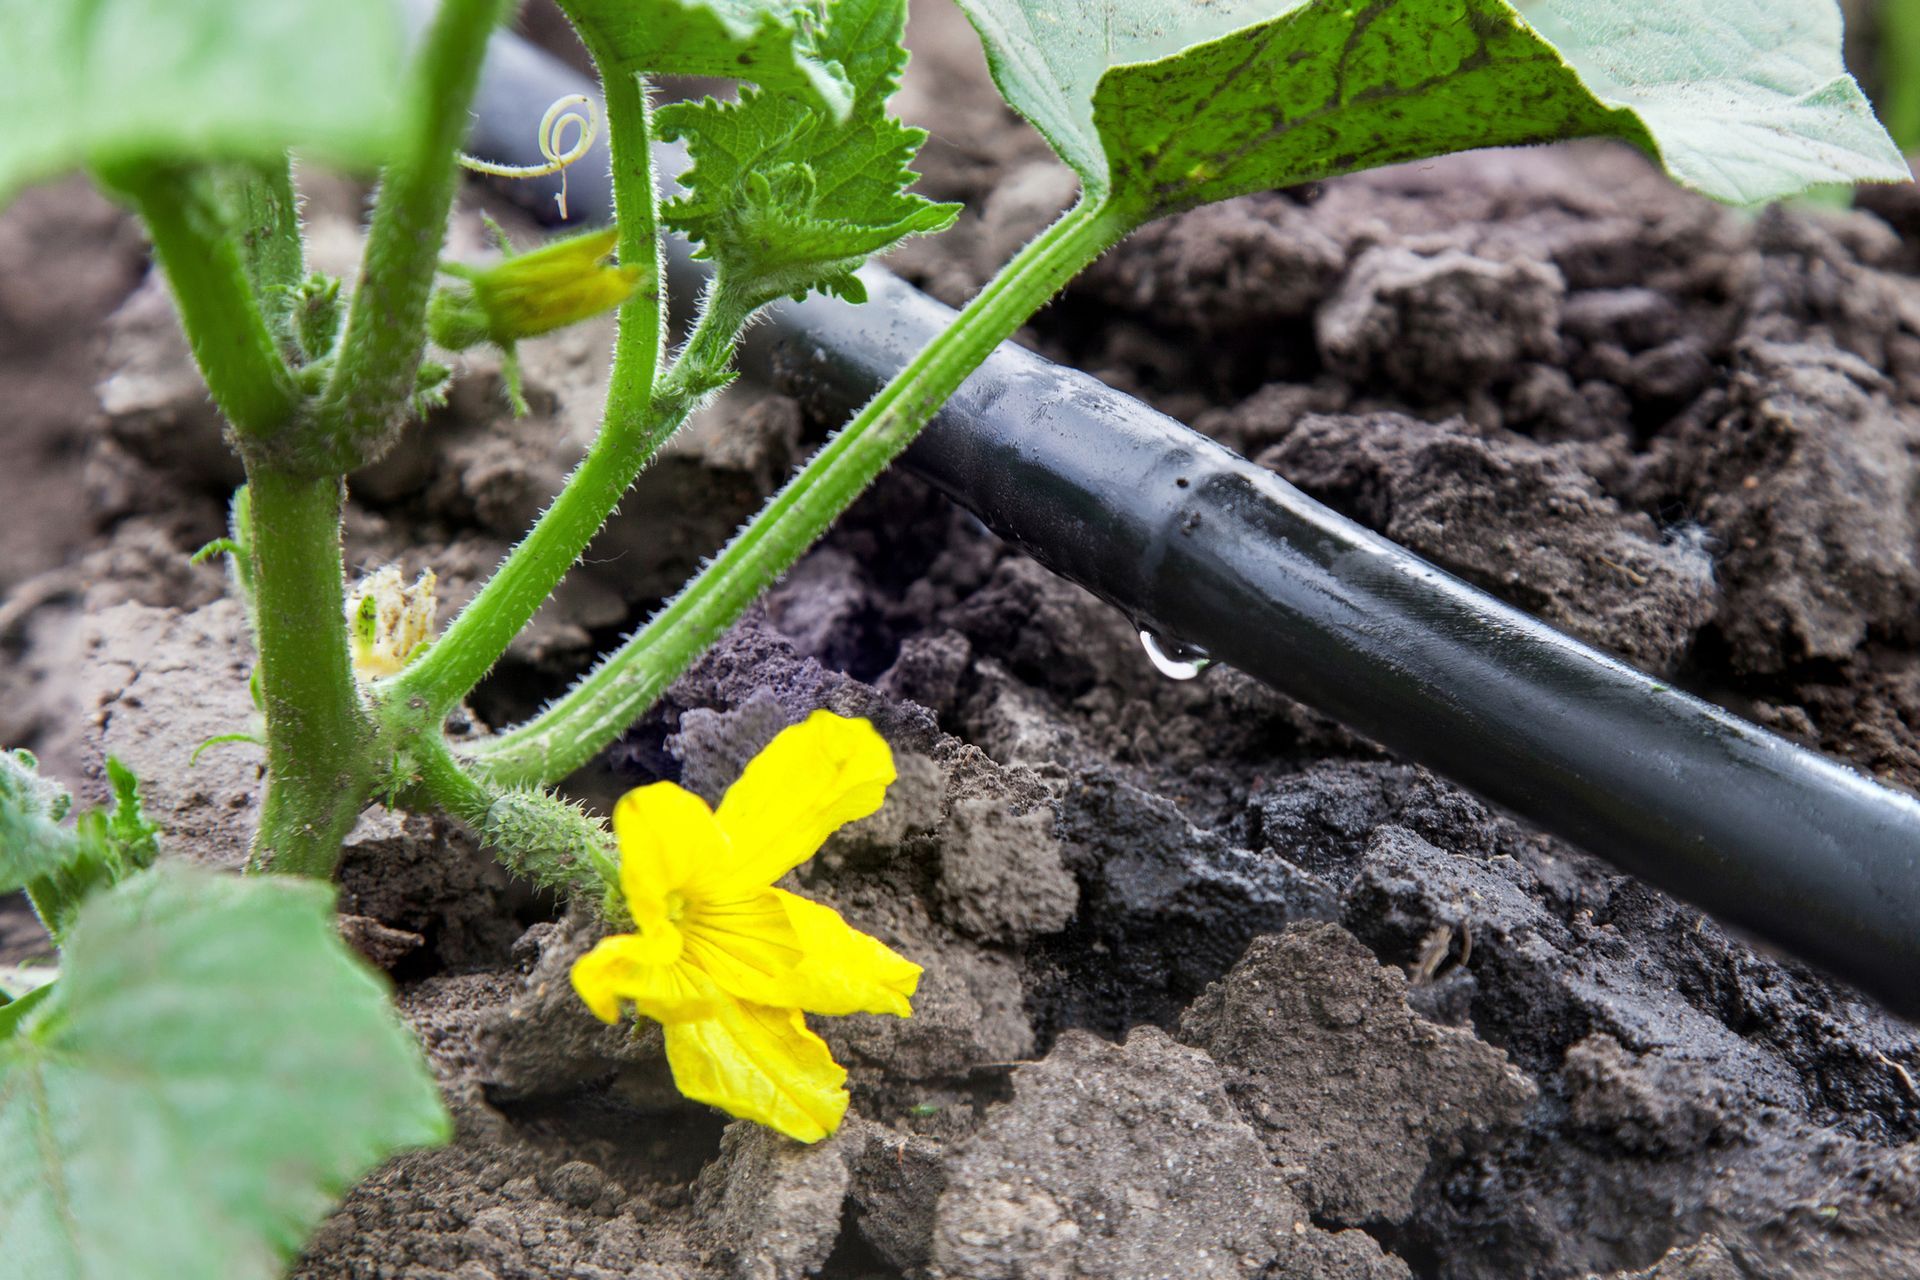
[[727, 963], [389, 621]]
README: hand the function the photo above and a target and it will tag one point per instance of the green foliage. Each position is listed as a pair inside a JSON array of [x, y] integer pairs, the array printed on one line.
[[786, 199], [212, 1065], [1163, 107], [1899, 66], [109, 82], [32, 843], [1746, 100], [315, 315], [212, 1068], [61, 866], [769, 42]]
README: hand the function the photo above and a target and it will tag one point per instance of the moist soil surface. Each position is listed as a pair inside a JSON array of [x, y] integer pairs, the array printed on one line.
[[1213, 987]]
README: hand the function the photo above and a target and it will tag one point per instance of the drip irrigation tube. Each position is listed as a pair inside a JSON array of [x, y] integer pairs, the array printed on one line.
[[1205, 550]]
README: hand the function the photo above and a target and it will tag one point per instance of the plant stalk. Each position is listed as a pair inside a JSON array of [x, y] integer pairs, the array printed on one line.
[[363, 407], [320, 766], [642, 335], [598, 709], [266, 218], [436, 681], [219, 311]]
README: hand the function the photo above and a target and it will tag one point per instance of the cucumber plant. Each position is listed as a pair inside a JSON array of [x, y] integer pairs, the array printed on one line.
[[189, 111]]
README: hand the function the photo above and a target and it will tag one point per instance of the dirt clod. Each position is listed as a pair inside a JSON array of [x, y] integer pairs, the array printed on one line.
[[1074, 1178], [1344, 1083]]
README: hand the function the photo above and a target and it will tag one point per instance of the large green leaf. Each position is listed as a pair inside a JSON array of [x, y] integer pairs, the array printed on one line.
[[767, 42], [1161, 105], [211, 1071], [111, 81], [1747, 100]]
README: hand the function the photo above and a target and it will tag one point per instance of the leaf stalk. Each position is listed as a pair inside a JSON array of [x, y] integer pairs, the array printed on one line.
[[601, 706], [368, 393]]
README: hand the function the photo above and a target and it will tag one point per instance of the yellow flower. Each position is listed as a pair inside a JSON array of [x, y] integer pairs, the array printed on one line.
[[532, 293], [727, 962]]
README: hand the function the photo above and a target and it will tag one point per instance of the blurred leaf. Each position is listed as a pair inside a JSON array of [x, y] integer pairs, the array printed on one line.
[[107, 82], [212, 1069]]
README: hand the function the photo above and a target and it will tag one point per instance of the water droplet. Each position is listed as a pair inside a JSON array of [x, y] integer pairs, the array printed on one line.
[[1175, 659]]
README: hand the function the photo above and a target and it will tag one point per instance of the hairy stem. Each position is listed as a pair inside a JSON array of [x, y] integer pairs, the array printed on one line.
[[266, 219], [535, 835], [476, 639], [366, 396], [231, 342], [626, 682], [320, 765], [636, 208], [1899, 56]]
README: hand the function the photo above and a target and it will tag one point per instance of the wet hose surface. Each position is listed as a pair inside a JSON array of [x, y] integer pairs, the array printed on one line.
[[1201, 547]]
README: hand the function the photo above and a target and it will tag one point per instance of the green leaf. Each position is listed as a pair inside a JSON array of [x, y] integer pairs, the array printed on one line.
[[60, 867], [786, 199], [768, 42], [124, 829], [1747, 100], [213, 1068], [1161, 105], [32, 842], [108, 82]]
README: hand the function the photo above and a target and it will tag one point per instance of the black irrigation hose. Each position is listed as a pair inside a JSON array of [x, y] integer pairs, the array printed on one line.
[[1199, 545]]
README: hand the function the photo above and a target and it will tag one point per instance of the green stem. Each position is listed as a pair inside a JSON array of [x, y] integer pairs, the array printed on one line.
[[266, 218], [1900, 71], [632, 429], [320, 765], [436, 681], [535, 835], [231, 342], [636, 206], [446, 786], [571, 731], [366, 397]]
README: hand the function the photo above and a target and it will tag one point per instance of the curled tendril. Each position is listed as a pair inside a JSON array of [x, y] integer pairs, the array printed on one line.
[[553, 126]]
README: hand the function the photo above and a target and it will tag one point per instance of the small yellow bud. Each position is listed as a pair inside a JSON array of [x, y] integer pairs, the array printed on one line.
[[549, 288], [388, 621]]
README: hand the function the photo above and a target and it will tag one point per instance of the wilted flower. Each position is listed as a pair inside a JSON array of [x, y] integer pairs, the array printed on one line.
[[387, 621]]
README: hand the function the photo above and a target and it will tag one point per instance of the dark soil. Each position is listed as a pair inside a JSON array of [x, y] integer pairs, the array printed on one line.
[[1213, 988]]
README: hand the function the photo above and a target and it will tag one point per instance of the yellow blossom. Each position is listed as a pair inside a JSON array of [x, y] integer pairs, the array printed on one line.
[[726, 962], [558, 284]]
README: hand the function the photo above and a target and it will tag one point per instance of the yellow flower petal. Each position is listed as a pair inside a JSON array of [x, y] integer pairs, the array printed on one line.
[[747, 945], [556, 285], [667, 836], [842, 969], [624, 968], [760, 1064], [811, 780]]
